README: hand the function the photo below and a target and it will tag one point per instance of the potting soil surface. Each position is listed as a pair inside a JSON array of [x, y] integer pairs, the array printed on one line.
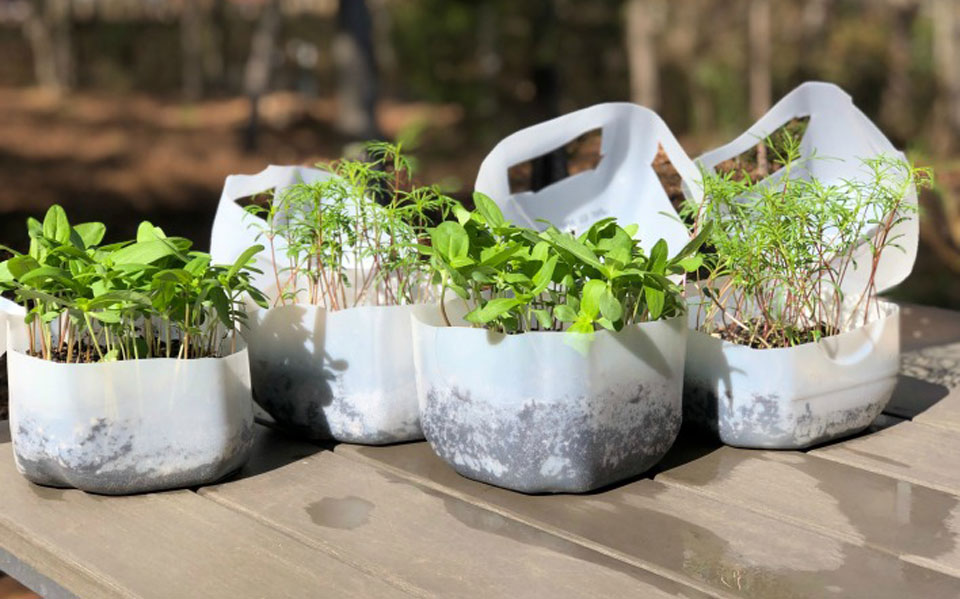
[[871, 516]]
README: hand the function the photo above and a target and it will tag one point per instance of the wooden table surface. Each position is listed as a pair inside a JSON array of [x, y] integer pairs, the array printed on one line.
[[875, 516]]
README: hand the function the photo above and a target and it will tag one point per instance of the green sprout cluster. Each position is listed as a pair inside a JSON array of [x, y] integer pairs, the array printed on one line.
[[517, 279], [153, 297], [352, 239], [781, 248]]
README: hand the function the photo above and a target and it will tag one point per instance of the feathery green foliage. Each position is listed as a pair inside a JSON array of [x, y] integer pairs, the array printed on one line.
[[782, 247], [352, 238]]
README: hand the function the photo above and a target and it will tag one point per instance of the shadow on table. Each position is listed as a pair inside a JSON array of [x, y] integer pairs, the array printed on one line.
[[912, 396], [274, 448]]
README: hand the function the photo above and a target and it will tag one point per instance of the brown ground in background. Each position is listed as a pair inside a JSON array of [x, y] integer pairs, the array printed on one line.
[[122, 160]]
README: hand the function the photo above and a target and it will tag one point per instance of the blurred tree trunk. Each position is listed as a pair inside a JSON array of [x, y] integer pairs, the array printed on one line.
[[259, 67], [357, 85], [683, 42], [896, 102], [216, 50], [758, 24], [489, 59], [550, 167], [946, 53], [48, 29], [191, 49], [642, 20]]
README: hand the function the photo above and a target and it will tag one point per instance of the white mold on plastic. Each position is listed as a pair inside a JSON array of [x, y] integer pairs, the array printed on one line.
[[532, 413], [130, 426], [346, 375], [796, 397], [623, 185]]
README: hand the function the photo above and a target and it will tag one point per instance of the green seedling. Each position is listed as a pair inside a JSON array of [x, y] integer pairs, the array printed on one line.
[[783, 247], [352, 239], [151, 297], [516, 279]]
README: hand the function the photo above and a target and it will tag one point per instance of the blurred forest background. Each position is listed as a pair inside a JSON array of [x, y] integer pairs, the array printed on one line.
[[128, 109]]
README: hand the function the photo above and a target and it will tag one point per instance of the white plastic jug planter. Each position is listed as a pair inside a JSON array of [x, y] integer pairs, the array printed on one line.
[[346, 375], [797, 397], [129, 426], [816, 392], [529, 412]]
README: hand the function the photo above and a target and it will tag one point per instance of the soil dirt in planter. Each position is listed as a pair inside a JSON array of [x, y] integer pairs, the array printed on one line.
[[761, 418], [91, 463], [739, 336], [59, 355], [550, 445]]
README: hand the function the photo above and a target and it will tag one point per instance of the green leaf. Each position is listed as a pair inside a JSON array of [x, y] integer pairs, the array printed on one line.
[[488, 209], [43, 272], [91, 233], [106, 316], [495, 256], [610, 306], [55, 224], [655, 300], [544, 276], [143, 252], [590, 299], [566, 242], [565, 313], [450, 239], [147, 232], [543, 317], [222, 305], [582, 325], [197, 265], [462, 214], [691, 263], [658, 257], [21, 265], [697, 242], [493, 309], [242, 260]]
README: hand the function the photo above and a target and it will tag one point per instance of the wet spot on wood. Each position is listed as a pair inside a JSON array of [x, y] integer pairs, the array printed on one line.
[[345, 513]]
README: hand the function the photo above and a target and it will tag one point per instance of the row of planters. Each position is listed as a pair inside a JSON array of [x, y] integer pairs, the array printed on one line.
[[536, 357]]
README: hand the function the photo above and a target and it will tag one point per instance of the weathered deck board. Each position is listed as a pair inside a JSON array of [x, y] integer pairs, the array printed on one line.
[[909, 451], [930, 366], [919, 524], [924, 326], [162, 545], [932, 381], [432, 541], [700, 540]]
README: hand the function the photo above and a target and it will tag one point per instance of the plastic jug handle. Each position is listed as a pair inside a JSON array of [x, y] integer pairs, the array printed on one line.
[[543, 138], [798, 103]]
